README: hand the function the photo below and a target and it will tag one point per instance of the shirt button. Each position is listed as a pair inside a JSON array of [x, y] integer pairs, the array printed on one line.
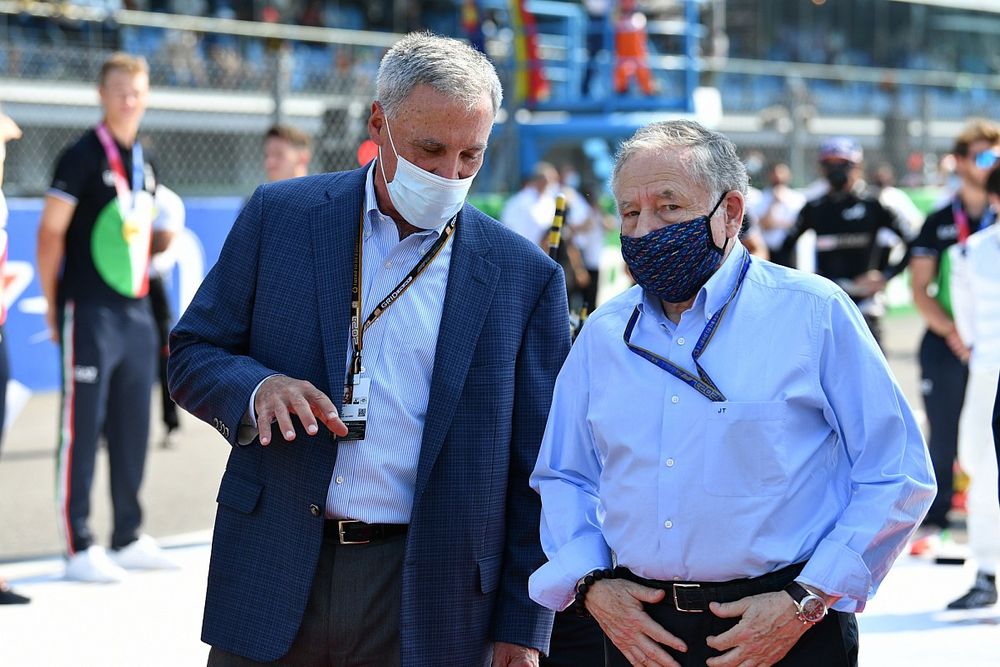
[[340, 479], [680, 341], [388, 265], [314, 510], [670, 463], [675, 399], [668, 524]]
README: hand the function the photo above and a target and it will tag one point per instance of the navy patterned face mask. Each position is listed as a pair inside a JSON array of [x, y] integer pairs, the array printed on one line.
[[673, 262]]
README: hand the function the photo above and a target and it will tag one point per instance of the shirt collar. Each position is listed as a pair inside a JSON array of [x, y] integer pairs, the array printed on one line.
[[374, 216], [712, 296], [721, 284]]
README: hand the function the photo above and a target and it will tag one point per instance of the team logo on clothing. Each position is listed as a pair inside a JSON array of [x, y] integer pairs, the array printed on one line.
[[85, 374], [120, 245], [856, 212]]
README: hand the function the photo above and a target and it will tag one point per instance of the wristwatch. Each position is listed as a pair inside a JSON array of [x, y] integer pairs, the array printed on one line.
[[810, 607]]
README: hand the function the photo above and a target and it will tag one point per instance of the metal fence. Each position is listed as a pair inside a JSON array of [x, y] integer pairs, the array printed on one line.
[[217, 84]]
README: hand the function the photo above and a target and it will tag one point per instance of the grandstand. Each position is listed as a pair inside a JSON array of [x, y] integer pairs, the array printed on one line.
[[776, 75]]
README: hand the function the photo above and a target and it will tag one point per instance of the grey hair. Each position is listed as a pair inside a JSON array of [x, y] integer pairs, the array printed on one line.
[[712, 156], [449, 66]]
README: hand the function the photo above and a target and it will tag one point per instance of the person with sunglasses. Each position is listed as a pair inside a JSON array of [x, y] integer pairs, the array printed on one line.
[[943, 353]]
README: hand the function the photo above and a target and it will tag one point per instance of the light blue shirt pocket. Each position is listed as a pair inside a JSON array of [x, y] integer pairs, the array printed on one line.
[[746, 449]]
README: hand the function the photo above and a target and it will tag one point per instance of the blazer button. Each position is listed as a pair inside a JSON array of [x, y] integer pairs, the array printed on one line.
[[314, 510]]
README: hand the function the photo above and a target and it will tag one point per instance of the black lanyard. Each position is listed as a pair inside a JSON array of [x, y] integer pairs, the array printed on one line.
[[702, 384], [358, 331]]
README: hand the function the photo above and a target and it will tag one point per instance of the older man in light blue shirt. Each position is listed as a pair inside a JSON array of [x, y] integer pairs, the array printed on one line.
[[727, 433]]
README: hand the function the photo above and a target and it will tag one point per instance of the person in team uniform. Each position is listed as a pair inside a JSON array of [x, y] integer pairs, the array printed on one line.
[[943, 353], [94, 244], [850, 232]]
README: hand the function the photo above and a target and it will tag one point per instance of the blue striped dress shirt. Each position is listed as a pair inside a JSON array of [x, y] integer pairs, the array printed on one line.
[[374, 478], [814, 456]]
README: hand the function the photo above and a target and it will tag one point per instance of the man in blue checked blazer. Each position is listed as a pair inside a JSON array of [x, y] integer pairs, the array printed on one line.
[[381, 356]]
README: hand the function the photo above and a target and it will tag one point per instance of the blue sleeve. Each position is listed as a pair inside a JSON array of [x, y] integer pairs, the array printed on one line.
[[518, 620], [567, 476], [891, 478]]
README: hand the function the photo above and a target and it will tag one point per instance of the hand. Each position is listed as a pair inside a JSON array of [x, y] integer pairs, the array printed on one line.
[[767, 630], [9, 130], [582, 278], [512, 655], [280, 396], [868, 284], [51, 324], [616, 605], [957, 345]]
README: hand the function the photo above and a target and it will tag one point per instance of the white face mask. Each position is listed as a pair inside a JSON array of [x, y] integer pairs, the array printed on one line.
[[425, 200]]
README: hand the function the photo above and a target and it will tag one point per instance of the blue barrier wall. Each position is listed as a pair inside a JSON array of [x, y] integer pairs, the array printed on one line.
[[34, 358]]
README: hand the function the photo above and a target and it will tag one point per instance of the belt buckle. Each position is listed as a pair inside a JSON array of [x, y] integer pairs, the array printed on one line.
[[341, 532], [677, 604]]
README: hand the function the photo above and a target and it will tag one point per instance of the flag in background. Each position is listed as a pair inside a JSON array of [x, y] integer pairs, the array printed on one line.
[[530, 84]]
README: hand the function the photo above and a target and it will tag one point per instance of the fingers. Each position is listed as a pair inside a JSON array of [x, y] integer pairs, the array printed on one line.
[[284, 419], [646, 652], [280, 397], [730, 609], [326, 411], [644, 593], [733, 658]]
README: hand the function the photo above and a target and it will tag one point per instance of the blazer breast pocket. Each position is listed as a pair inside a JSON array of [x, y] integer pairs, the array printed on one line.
[[745, 449], [238, 493]]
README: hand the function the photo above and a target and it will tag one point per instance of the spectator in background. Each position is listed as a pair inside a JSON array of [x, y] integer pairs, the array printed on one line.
[[848, 226], [776, 210], [631, 51], [883, 184], [975, 289], [287, 152], [94, 244], [590, 237], [9, 131], [943, 353], [530, 211], [170, 221]]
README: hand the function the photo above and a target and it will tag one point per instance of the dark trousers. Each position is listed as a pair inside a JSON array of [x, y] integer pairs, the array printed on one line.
[[833, 642], [352, 616], [577, 641], [107, 373], [4, 377], [164, 319], [942, 382]]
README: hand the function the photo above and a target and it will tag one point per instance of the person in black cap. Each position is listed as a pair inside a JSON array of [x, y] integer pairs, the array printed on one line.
[[851, 245]]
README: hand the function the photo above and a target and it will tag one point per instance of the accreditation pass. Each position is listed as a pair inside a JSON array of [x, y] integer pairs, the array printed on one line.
[[354, 410]]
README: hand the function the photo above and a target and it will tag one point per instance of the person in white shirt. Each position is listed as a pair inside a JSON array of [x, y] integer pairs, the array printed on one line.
[[8, 132], [777, 208], [530, 211], [975, 300]]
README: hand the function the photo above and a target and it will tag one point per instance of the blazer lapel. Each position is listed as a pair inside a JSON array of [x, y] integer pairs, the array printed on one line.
[[472, 280], [335, 231]]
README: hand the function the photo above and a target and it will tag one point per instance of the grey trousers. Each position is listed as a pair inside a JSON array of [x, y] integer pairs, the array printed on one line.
[[352, 616]]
